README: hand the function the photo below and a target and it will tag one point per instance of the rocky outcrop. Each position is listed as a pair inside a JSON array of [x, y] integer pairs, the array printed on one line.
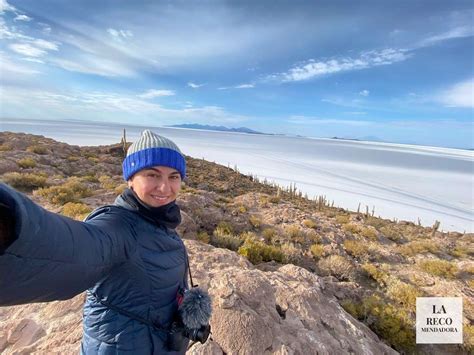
[[282, 311]]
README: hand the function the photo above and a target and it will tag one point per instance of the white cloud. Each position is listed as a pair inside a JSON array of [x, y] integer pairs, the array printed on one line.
[[22, 18], [364, 93], [456, 32], [244, 86], [27, 49], [195, 86], [459, 95], [150, 94], [89, 64], [46, 44], [120, 34], [5, 6], [10, 67], [312, 69]]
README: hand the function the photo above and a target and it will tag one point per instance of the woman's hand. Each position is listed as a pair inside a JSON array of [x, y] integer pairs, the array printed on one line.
[[6, 228]]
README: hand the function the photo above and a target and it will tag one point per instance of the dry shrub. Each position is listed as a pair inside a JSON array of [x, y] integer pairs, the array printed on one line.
[[317, 251], [255, 221], [369, 233], [295, 234], [392, 233], [357, 249], [337, 266], [120, 188], [71, 191], [26, 163], [351, 228], [419, 247], [37, 149], [25, 181], [268, 234], [441, 268], [203, 237], [106, 182], [274, 199], [291, 254], [313, 237], [5, 147], [309, 223], [376, 222], [343, 219], [76, 210]]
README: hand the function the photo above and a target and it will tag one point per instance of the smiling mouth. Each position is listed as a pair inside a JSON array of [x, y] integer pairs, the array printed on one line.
[[160, 198]]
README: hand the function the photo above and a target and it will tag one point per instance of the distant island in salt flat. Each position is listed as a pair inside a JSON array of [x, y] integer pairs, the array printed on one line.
[[216, 128]]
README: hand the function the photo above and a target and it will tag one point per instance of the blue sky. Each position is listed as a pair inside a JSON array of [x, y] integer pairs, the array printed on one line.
[[401, 71]]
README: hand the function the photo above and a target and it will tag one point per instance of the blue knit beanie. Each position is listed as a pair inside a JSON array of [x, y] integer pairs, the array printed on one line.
[[153, 150]]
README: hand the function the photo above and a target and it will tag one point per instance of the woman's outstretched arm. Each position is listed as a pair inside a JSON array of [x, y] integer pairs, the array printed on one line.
[[45, 256]]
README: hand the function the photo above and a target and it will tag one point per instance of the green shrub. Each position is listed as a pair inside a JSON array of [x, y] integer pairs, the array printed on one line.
[[391, 323], [317, 251], [26, 163], [241, 209], [356, 248], [440, 268], [223, 237], [337, 266], [37, 149], [378, 273], [25, 181], [256, 251], [203, 237], [76, 210], [71, 191], [403, 294]]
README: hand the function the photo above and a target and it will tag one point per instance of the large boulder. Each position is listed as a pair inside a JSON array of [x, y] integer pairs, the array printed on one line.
[[279, 311]]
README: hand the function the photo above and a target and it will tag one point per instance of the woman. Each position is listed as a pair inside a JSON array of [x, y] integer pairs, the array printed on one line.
[[127, 255]]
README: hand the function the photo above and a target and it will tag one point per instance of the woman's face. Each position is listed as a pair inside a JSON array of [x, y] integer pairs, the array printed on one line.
[[156, 186]]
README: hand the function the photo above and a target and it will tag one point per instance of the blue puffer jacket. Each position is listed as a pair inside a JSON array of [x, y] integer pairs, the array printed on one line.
[[121, 257]]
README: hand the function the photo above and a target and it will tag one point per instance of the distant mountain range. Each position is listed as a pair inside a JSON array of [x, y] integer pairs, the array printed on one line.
[[216, 128]]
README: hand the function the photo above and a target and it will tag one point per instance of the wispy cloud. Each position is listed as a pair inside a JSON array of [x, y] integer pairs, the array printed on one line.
[[27, 49], [241, 86], [5, 6], [364, 93], [459, 95], [195, 86], [312, 68], [244, 86], [151, 94], [22, 18], [10, 68], [456, 32], [120, 34]]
